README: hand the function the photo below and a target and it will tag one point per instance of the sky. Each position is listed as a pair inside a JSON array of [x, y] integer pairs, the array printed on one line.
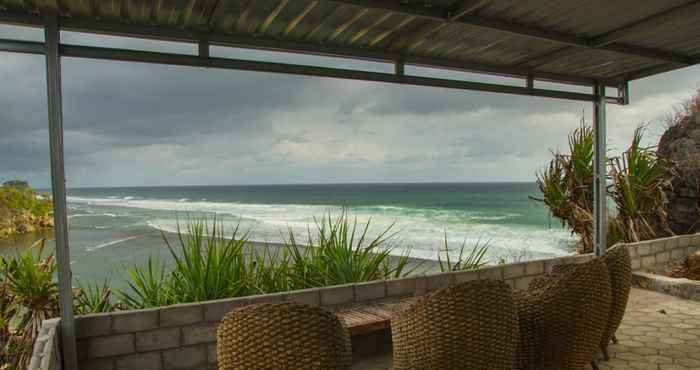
[[131, 124]]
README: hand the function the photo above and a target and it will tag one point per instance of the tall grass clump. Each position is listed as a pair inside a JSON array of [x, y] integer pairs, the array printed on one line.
[[207, 264], [147, 286], [342, 252], [466, 259]]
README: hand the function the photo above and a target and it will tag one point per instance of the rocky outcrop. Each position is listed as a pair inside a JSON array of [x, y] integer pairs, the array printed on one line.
[[680, 146], [22, 210]]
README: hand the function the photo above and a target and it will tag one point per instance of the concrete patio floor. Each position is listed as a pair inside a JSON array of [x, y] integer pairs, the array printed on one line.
[[659, 331]]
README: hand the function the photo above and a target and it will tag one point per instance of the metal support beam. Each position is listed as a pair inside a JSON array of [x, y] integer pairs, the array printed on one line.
[[58, 188], [305, 70], [24, 47], [600, 224]]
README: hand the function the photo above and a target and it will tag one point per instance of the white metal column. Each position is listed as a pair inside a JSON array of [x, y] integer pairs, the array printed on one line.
[[599, 172], [58, 188]]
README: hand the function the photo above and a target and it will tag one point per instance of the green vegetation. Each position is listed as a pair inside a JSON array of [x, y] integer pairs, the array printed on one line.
[[28, 295], [22, 210], [466, 260], [205, 264], [638, 179]]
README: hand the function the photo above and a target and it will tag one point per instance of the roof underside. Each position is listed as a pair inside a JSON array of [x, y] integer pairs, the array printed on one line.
[[557, 40]]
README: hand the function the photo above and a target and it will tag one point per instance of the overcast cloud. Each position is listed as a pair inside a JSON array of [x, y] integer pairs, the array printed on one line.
[[140, 124]]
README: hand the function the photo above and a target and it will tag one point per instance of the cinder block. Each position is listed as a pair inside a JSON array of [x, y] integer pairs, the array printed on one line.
[[311, 297], [684, 241], [677, 253], [370, 291], [157, 339], [644, 248], [97, 364], [491, 273], [438, 281], [133, 321], [464, 276], [672, 242], [658, 246], [421, 286], [182, 314], [93, 325], [114, 345], [268, 298], [513, 270], [339, 294], [196, 334], [662, 257], [689, 251], [400, 287], [524, 282], [211, 353], [534, 268], [510, 282], [215, 310], [695, 240], [185, 358], [636, 263], [141, 361], [648, 261]]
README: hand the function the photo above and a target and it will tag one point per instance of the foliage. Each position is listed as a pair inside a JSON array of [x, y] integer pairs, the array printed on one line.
[[147, 287], [23, 210], [473, 259], [640, 180], [30, 295], [638, 183], [93, 298], [343, 253], [24, 199], [209, 265], [567, 185]]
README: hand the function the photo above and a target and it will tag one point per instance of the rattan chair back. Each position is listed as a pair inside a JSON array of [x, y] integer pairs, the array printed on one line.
[[287, 336], [619, 265], [468, 326], [562, 318]]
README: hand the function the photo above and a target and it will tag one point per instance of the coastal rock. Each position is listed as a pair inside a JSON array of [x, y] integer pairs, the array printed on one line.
[[680, 146]]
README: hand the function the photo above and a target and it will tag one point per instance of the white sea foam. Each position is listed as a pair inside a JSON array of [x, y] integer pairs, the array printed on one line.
[[421, 230], [111, 243]]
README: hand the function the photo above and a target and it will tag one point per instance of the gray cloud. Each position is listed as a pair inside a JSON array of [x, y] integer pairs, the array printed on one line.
[[140, 124]]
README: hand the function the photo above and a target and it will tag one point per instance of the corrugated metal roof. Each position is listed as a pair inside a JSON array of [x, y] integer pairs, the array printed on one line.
[[577, 40]]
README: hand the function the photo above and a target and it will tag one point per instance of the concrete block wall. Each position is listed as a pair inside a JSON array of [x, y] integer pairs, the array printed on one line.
[[184, 336], [46, 354], [657, 255]]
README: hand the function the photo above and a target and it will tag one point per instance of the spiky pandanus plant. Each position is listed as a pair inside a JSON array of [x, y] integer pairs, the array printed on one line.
[[640, 181], [567, 186], [33, 297]]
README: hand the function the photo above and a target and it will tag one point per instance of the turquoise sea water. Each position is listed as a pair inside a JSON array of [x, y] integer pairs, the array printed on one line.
[[113, 227]]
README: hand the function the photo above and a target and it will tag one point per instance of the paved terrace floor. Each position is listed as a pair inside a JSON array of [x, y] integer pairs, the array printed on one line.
[[659, 332]]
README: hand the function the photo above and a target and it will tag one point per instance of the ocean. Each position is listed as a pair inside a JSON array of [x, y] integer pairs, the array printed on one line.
[[111, 228]]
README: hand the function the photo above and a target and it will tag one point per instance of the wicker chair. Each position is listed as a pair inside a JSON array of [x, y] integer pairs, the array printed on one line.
[[562, 318], [619, 265], [274, 336], [469, 326]]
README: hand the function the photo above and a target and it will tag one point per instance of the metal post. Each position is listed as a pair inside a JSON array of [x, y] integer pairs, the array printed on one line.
[[599, 171], [58, 188]]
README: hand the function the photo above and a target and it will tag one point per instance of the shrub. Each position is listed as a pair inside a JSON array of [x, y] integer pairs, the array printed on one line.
[[472, 259]]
